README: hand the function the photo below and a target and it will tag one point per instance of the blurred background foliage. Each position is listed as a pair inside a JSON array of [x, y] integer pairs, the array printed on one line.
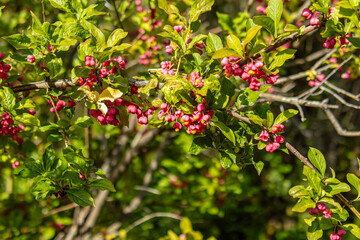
[[227, 204]]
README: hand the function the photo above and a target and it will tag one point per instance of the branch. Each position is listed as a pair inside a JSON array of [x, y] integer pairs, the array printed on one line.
[[338, 127], [302, 158], [279, 43], [150, 216], [296, 101]]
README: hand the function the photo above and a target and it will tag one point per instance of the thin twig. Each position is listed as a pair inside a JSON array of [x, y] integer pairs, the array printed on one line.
[[342, 91], [340, 98], [43, 10], [66, 141], [309, 92], [302, 158], [60, 209], [308, 58], [338, 127], [117, 14], [321, 60], [151, 216], [295, 101]]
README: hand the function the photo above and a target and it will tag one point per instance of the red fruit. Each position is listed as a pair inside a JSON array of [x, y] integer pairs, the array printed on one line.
[[164, 106], [314, 21], [143, 120], [313, 211], [264, 136], [178, 28], [119, 102], [321, 207], [80, 81], [169, 49], [177, 126], [307, 13], [341, 232], [32, 112], [50, 47], [6, 68], [334, 236], [327, 213], [30, 58], [89, 61], [106, 63], [279, 139], [71, 104], [2, 55], [15, 164], [200, 107], [132, 109], [112, 111], [82, 176]]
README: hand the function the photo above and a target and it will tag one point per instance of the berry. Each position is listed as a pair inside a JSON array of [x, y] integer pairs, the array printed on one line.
[[15, 164], [264, 136], [89, 61], [334, 236], [31, 58], [313, 211], [2, 55], [143, 120], [169, 49], [178, 28], [314, 21], [279, 139], [327, 213], [321, 207], [307, 13]]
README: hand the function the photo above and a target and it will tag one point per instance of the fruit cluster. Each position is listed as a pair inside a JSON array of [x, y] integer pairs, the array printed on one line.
[[7, 127], [108, 67], [251, 72], [338, 236], [278, 139], [321, 208], [194, 123]]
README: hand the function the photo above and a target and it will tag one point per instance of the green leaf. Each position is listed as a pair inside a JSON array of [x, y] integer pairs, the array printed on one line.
[[28, 120], [199, 144], [340, 215], [355, 181], [49, 126], [317, 160], [229, 134], [81, 197], [256, 119], [333, 189], [54, 66], [115, 37], [170, 9], [259, 166], [299, 191], [281, 57], [185, 225], [354, 41], [19, 41], [225, 52], [174, 36], [274, 11], [269, 118], [303, 204], [213, 43], [198, 8], [234, 43], [96, 33], [61, 4], [265, 22], [196, 40], [7, 98], [250, 34], [313, 179], [102, 184], [282, 117], [84, 121], [225, 160], [354, 229], [49, 159], [314, 232], [354, 4]]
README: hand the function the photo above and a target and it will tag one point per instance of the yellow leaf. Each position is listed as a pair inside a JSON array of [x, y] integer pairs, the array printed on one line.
[[92, 96], [110, 94], [102, 107]]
